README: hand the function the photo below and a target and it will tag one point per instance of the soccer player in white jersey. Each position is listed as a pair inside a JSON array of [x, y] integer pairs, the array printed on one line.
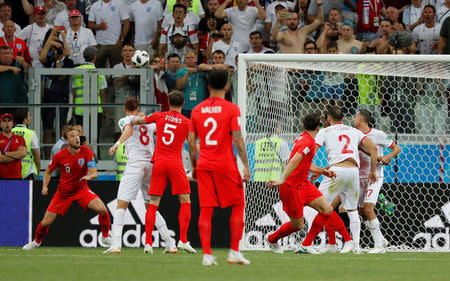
[[139, 147], [368, 193], [341, 143]]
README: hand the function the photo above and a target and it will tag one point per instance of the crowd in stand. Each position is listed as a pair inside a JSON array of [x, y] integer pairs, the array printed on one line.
[[186, 38]]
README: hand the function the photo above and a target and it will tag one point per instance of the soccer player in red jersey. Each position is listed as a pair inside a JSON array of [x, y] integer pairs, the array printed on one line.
[[171, 132], [77, 166], [216, 123], [12, 148], [295, 189]]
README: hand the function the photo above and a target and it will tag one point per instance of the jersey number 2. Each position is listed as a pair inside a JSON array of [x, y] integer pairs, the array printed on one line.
[[208, 139], [345, 150], [143, 137]]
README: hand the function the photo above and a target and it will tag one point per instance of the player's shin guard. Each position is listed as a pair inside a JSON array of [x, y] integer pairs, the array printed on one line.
[[331, 233], [184, 217], [117, 226], [319, 222], [103, 220], [236, 226], [150, 217], [355, 226], [41, 231], [204, 228], [161, 225], [285, 230], [336, 222]]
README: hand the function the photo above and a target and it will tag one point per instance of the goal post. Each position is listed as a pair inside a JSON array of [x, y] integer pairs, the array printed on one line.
[[409, 98]]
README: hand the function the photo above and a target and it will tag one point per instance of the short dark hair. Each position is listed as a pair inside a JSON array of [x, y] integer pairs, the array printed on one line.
[[255, 33], [179, 6], [6, 4], [131, 104], [429, 6], [367, 116], [218, 52], [176, 98], [127, 44], [20, 115], [310, 42], [89, 54], [335, 113], [388, 20], [173, 55], [217, 79], [311, 122], [5, 47], [332, 44]]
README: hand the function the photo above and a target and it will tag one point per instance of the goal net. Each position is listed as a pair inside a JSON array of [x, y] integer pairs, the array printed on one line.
[[408, 97]]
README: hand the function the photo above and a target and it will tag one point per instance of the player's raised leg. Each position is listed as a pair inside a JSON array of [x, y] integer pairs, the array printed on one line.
[[41, 230]]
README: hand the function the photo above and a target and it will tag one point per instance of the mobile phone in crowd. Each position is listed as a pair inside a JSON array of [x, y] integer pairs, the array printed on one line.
[[82, 139]]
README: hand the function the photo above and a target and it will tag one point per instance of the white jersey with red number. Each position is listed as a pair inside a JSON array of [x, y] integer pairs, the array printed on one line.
[[341, 142], [381, 140], [140, 146]]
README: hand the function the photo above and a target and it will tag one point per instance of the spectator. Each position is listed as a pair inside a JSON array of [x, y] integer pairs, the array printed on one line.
[[444, 38], [12, 84], [19, 47], [211, 7], [292, 40], [242, 18], [78, 37], [12, 148], [301, 8], [271, 17], [333, 82], [111, 21], [412, 16], [209, 37], [335, 20], [348, 44], [369, 18], [179, 46], [350, 11], [230, 47], [194, 5], [256, 44], [443, 12], [146, 18], [192, 83], [310, 47], [31, 163], [61, 18], [5, 16], [90, 56], [33, 34], [381, 44], [190, 18], [165, 42], [161, 90], [327, 7], [393, 14], [426, 35], [173, 64], [53, 7], [55, 54], [125, 86], [21, 11], [60, 144]]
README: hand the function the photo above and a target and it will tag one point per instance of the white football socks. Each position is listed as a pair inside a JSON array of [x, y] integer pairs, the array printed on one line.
[[160, 224], [117, 227], [355, 226], [374, 227]]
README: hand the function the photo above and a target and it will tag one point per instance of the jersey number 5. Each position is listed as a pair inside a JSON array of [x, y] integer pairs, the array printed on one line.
[[168, 131], [208, 139], [143, 137], [345, 150]]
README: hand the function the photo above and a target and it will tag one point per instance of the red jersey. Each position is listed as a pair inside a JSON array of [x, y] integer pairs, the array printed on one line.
[[72, 168], [13, 169], [306, 146], [369, 19], [172, 129], [213, 120], [18, 46]]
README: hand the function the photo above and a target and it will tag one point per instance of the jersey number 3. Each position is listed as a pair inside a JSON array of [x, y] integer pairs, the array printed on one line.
[[345, 150]]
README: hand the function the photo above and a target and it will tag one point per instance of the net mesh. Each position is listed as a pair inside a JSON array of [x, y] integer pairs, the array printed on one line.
[[409, 102]]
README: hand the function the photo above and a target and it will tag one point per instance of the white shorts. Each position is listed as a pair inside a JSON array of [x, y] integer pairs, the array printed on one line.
[[135, 177], [346, 185], [369, 192]]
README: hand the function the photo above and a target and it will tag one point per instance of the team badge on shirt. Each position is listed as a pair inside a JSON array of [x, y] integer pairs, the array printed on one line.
[[81, 161], [113, 8], [149, 9], [306, 150], [19, 46]]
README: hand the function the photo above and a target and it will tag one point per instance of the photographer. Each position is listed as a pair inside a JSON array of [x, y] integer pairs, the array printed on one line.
[[211, 35]]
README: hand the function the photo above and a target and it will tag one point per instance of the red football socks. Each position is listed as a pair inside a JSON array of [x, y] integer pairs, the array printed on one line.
[[331, 233], [184, 217], [40, 233], [150, 217], [319, 222], [204, 228], [236, 226], [285, 230], [338, 224], [103, 220]]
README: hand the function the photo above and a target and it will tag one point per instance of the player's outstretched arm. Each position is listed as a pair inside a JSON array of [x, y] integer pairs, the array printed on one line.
[[92, 174], [386, 159], [126, 134], [46, 181], [290, 167], [239, 142], [192, 139], [368, 145], [321, 171]]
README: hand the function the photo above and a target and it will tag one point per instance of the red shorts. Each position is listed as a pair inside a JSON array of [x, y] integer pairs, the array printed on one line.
[[61, 202], [294, 199], [220, 189], [166, 170]]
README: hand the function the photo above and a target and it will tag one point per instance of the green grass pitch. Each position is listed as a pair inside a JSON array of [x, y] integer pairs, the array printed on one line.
[[67, 264]]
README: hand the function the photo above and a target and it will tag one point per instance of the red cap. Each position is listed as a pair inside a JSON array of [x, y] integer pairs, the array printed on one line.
[[40, 9], [7, 115], [74, 13]]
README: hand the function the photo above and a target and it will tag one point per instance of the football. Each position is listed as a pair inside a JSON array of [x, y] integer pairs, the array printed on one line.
[[140, 59]]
